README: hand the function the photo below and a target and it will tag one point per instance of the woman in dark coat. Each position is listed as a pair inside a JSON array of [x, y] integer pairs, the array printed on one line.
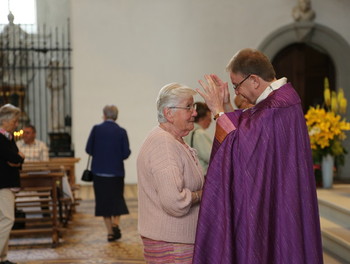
[[108, 145], [10, 162]]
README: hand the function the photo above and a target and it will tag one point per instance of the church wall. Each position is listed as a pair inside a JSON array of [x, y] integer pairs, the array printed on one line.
[[125, 51], [53, 13]]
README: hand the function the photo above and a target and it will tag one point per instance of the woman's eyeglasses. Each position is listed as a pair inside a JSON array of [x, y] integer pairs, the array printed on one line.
[[188, 108]]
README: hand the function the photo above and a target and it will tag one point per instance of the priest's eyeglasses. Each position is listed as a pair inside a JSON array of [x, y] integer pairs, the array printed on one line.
[[236, 86], [188, 108]]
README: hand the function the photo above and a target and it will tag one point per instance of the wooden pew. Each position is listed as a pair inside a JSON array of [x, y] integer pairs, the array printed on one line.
[[68, 163], [66, 195], [57, 164], [38, 189]]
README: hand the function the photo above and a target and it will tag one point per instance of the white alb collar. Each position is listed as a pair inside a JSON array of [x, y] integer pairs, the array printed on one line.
[[269, 89]]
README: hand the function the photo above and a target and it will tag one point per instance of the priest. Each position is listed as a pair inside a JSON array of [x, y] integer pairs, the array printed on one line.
[[259, 202]]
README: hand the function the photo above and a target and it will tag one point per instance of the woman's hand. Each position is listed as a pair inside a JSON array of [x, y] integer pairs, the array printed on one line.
[[196, 197], [200, 194], [14, 164], [21, 154]]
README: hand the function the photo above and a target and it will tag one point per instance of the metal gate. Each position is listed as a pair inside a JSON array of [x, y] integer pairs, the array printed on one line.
[[35, 75]]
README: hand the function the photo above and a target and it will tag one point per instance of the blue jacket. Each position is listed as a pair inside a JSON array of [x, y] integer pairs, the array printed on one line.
[[108, 144]]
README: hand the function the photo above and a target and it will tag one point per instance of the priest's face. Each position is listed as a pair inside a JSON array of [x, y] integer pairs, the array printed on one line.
[[243, 86]]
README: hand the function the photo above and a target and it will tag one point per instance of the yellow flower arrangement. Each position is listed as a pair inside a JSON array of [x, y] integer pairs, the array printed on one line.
[[326, 125]]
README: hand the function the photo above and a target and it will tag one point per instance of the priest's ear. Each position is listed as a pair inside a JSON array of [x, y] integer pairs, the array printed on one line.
[[255, 80]]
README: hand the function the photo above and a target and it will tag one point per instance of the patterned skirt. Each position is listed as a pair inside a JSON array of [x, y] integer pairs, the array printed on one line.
[[156, 252]]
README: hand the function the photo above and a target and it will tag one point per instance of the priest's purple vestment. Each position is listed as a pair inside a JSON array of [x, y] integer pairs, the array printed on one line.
[[259, 201]]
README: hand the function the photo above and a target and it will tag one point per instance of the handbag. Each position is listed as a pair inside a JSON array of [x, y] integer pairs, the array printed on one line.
[[87, 174]]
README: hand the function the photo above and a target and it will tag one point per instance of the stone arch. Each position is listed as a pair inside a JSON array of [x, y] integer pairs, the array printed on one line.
[[316, 35]]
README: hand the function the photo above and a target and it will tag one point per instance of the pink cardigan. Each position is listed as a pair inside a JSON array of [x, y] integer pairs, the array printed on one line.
[[167, 173]]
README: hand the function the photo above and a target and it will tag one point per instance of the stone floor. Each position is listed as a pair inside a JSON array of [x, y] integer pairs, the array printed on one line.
[[85, 239], [337, 196]]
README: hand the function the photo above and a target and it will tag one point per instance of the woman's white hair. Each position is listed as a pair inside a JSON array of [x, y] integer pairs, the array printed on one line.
[[170, 95], [110, 112], [8, 112]]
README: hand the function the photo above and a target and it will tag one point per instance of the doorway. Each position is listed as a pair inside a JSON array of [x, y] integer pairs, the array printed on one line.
[[305, 67]]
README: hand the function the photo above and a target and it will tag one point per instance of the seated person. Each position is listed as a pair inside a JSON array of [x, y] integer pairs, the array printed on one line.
[[33, 149]]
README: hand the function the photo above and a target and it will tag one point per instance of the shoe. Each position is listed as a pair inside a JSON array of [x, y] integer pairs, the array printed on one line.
[[7, 262], [110, 238], [117, 233]]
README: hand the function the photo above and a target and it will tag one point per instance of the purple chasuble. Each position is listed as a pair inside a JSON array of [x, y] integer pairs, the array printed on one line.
[[259, 201]]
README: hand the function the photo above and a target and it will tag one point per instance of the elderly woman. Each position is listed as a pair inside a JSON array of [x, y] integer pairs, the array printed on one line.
[[170, 180], [108, 144], [10, 162]]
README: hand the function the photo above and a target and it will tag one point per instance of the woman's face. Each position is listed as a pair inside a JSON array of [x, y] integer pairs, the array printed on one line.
[[183, 118], [10, 125], [206, 120]]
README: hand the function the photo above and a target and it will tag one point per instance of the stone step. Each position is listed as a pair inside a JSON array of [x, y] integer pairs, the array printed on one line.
[[334, 204], [336, 239]]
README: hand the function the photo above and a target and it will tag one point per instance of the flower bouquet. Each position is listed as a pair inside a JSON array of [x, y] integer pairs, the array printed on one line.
[[327, 126]]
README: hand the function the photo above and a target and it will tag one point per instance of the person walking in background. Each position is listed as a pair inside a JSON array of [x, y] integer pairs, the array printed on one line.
[[108, 144], [170, 180], [33, 149], [198, 138], [10, 163], [259, 200]]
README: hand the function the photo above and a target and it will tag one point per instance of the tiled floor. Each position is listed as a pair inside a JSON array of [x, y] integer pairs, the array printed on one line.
[[84, 241]]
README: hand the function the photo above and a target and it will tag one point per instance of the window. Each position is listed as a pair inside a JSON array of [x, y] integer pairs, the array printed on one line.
[[24, 12]]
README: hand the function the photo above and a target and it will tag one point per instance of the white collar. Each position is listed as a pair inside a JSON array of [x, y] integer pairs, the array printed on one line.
[[269, 89]]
